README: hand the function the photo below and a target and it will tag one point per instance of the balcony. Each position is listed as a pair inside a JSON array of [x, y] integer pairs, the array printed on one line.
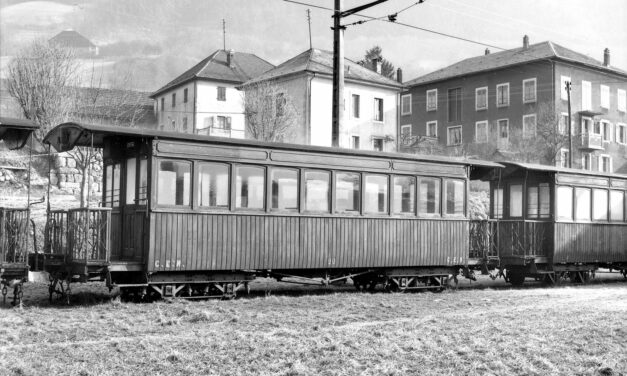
[[591, 141]]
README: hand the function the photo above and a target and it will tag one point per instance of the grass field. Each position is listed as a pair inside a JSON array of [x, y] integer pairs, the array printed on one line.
[[493, 329]]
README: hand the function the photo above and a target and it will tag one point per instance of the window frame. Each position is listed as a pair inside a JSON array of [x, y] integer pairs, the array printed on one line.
[[174, 100], [269, 190], [438, 214], [498, 126], [558, 217], [487, 131], [606, 130], [185, 92], [404, 98], [427, 128], [459, 103], [594, 201], [264, 200], [392, 200], [408, 137], [221, 90], [623, 206], [535, 90], [448, 138], [382, 144], [576, 205], [500, 105], [604, 93], [586, 95], [363, 211], [477, 108], [535, 128], [378, 110], [355, 111], [303, 190], [360, 194], [434, 106], [624, 127], [563, 162], [621, 105], [609, 166], [443, 199], [230, 188], [157, 170], [586, 157]]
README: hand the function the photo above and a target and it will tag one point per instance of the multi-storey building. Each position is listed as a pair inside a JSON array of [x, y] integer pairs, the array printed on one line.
[[370, 101], [205, 99], [498, 102]]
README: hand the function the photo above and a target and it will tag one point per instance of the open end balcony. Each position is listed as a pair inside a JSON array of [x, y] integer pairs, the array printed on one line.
[[591, 141]]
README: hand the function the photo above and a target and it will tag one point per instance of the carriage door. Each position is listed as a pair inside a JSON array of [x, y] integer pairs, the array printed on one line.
[[133, 210]]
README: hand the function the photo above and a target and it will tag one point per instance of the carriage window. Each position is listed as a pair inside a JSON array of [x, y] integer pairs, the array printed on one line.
[[404, 191], [376, 194], [617, 205], [454, 195], [347, 192], [143, 181], [564, 198], [112, 188], [515, 200], [545, 200], [213, 185], [284, 189], [599, 198], [582, 204], [532, 202], [249, 187], [317, 191], [497, 203], [131, 169], [174, 181], [429, 196]]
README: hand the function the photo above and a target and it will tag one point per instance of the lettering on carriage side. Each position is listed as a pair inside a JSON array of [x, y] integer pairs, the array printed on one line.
[[156, 263], [178, 263], [167, 263]]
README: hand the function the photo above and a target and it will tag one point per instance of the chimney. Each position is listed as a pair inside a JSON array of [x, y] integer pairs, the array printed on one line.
[[399, 75], [229, 58], [487, 51], [376, 65], [606, 57], [525, 42]]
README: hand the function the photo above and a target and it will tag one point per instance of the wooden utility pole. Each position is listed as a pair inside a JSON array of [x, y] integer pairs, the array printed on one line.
[[309, 22], [570, 131], [224, 34], [338, 65]]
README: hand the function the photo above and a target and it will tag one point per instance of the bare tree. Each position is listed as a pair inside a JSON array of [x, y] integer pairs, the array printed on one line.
[[270, 112], [38, 78]]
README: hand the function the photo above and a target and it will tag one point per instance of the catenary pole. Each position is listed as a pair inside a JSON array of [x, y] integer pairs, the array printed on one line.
[[570, 131]]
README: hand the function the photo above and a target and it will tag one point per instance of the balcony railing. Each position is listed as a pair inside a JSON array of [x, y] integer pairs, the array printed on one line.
[[524, 238], [220, 132], [591, 141], [483, 239], [13, 235]]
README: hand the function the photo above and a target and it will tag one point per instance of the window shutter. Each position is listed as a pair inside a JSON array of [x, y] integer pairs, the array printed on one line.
[[228, 123]]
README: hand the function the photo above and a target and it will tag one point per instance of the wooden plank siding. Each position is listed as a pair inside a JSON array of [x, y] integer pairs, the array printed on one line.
[[206, 242], [590, 242]]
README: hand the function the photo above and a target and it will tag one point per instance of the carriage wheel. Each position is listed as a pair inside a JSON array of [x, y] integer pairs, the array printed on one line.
[[18, 294], [516, 278]]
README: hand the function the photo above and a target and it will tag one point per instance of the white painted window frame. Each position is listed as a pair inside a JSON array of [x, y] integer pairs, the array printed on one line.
[[586, 95], [427, 128], [505, 84], [563, 161], [600, 164], [375, 109], [605, 124], [604, 91], [591, 130], [621, 105], [477, 108], [498, 129], [535, 90], [535, 131], [406, 126], [435, 108], [584, 157], [624, 126], [448, 134], [403, 98], [487, 131]]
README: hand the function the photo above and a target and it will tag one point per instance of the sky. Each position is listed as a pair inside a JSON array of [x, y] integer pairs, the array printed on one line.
[[276, 30]]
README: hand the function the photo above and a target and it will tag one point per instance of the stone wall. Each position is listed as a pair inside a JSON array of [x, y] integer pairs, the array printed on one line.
[[67, 176]]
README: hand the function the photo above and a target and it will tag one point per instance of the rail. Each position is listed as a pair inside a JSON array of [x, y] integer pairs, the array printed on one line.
[[13, 235]]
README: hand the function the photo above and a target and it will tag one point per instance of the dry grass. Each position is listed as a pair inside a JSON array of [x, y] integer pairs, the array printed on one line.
[[496, 330]]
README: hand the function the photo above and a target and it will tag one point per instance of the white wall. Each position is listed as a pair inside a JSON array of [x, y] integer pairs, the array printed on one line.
[[365, 127]]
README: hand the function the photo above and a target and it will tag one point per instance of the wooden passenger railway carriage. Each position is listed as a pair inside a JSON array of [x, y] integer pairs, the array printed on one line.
[[188, 215], [14, 222], [556, 222]]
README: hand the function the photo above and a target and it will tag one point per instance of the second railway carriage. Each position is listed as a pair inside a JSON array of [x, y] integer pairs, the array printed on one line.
[[14, 221], [556, 222], [188, 215]]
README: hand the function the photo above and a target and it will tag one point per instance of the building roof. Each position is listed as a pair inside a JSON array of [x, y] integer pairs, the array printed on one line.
[[72, 38], [321, 62], [516, 56], [214, 67]]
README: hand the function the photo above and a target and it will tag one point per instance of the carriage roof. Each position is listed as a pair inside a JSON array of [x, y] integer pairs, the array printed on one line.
[[511, 167], [15, 132]]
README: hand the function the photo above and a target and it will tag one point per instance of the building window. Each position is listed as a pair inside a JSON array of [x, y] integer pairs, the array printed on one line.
[[564, 158], [606, 130], [404, 195], [529, 125], [317, 191], [223, 122], [481, 98], [455, 105], [605, 96], [184, 95], [378, 109], [502, 95], [503, 126], [354, 142], [376, 199], [377, 144], [162, 103], [563, 91], [221, 93], [213, 185], [605, 163], [481, 131], [432, 100], [563, 123], [586, 161], [454, 135], [529, 90], [249, 187], [347, 192], [355, 105], [586, 95], [185, 124], [621, 133], [621, 97], [406, 104], [174, 124], [173, 100], [432, 128], [405, 134], [174, 183], [284, 183], [586, 125]]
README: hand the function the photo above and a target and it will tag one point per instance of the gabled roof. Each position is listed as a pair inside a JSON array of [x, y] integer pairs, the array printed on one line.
[[321, 62], [214, 67], [71, 38], [497, 60]]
